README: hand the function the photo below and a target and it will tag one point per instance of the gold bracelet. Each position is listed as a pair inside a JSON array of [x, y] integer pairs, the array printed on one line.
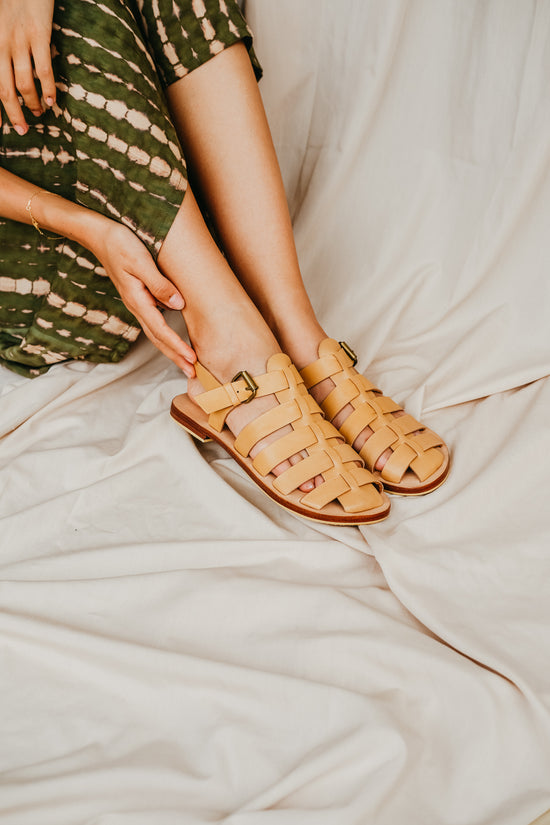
[[33, 219]]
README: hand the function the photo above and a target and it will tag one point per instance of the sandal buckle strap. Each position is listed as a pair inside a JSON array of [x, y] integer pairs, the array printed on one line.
[[349, 352], [251, 385]]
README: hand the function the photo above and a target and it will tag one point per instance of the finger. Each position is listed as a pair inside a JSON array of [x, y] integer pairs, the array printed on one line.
[[174, 356], [43, 68], [164, 333], [24, 81], [162, 306], [8, 96], [142, 304], [159, 286]]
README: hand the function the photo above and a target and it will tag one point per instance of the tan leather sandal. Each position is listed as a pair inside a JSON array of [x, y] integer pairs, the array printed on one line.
[[420, 459], [349, 494]]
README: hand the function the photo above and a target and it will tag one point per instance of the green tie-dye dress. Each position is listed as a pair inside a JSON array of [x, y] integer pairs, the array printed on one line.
[[109, 144]]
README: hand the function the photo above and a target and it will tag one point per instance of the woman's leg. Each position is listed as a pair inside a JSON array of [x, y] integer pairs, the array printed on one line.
[[226, 329], [219, 115], [220, 119]]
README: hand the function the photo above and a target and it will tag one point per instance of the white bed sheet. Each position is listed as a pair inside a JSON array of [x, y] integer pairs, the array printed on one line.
[[175, 648]]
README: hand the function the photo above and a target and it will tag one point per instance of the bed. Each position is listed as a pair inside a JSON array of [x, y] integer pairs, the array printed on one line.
[[175, 658]]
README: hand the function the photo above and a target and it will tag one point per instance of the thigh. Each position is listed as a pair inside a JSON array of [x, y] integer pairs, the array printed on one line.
[[108, 143]]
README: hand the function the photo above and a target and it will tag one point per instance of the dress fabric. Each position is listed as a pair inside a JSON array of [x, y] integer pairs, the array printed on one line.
[[109, 144]]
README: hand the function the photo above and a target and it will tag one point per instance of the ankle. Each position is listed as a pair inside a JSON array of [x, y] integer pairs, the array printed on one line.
[[235, 343], [297, 330], [301, 342]]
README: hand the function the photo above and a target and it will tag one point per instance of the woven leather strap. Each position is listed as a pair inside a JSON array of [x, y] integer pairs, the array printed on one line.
[[327, 455], [413, 445]]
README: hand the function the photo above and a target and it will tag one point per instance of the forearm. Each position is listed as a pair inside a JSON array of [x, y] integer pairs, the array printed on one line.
[[125, 259], [54, 214]]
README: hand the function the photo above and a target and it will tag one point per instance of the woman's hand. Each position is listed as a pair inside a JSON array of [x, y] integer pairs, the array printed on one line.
[[125, 258], [141, 286], [25, 34]]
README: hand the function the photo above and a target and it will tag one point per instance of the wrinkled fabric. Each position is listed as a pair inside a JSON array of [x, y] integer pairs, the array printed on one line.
[[175, 647]]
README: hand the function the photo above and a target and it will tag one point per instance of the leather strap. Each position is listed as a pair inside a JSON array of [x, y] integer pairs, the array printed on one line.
[[321, 369], [314, 465], [343, 394], [335, 487], [344, 477], [397, 464], [413, 445], [281, 449], [376, 444], [219, 400], [265, 425], [363, 416]]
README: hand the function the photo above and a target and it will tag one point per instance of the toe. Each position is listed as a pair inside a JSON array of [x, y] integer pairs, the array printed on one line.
[[280, 468], [363, 436], [340, 417], [307, 486], [382, 460]]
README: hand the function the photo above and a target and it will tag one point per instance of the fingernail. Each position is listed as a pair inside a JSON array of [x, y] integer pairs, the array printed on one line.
[[49, 101], [176, 302], [21, 130]]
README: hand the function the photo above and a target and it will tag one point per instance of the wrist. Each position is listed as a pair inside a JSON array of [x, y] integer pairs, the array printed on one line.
[[61, 217], [32, 217], [90, 229]]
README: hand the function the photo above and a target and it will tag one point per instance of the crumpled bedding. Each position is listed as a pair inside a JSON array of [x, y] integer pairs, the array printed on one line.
[[175, 649]]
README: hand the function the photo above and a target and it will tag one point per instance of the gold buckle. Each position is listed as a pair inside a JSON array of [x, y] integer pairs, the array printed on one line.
[[250, 384], [349, 352]]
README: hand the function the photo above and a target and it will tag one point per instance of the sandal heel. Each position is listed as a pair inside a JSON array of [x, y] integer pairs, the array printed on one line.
[[202, 438], [195, 435]]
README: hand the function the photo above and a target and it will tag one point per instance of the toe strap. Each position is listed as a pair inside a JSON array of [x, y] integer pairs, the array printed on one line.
[[302, 471], [288, 445], [408, 455], [376, 444], [356, 490], [413, 446], [425, 464], [398, 463], [326, 492]]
